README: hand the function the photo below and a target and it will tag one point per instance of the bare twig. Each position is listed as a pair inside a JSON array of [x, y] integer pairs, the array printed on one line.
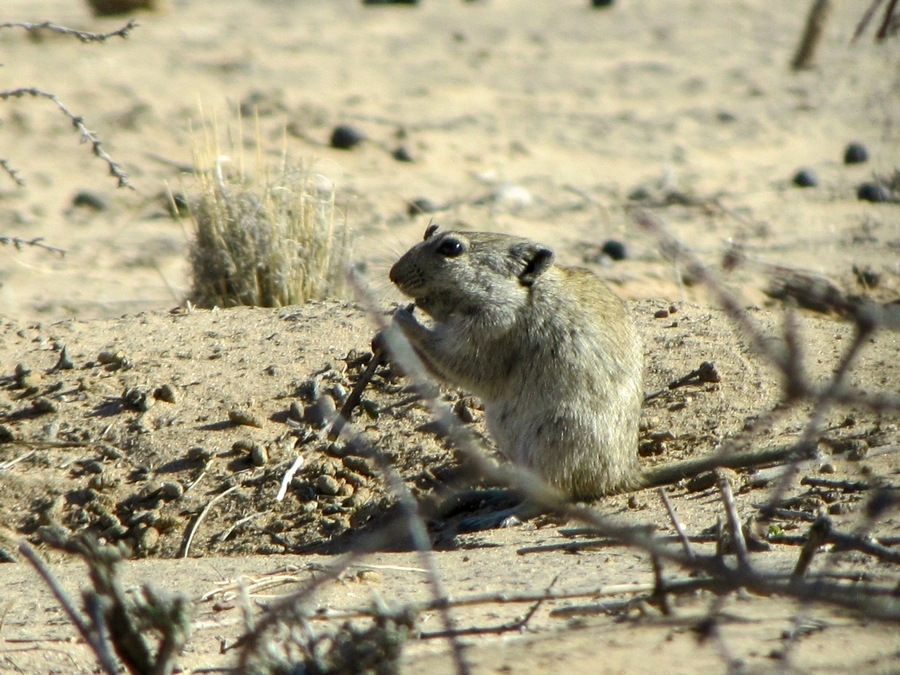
[[92, 637], [36, 242], [84, 36], [734, 522], [812, 34], [685, 542], [196, 524], [78, 122], [11, 172]]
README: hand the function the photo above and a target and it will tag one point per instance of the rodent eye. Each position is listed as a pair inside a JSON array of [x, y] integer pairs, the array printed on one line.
[[450, 248]]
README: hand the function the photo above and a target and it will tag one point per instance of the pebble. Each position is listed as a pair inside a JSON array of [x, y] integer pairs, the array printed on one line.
[[320, 412], [244, 418], [327, 485], [166, 393], [401, 154], [856, 153], [259, 455], [170, 491], [149, 539], [614, 249], [200, 454], [345, 137], [805, 178], [44, 405], [420, 205], [89, 200], [873, 192]]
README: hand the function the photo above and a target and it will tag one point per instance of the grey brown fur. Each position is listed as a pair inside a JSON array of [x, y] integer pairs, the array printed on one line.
[[550, 350]]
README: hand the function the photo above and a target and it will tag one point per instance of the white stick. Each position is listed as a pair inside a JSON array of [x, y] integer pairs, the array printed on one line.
[[288, 477]]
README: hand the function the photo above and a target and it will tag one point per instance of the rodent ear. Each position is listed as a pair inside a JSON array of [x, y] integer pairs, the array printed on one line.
[[430, 230], [537, 259]]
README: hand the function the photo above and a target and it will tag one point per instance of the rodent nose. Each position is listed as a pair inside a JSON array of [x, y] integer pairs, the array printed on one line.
[[392, 275]]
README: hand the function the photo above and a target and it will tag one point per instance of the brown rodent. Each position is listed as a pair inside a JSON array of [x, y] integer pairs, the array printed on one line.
[[550, 350]]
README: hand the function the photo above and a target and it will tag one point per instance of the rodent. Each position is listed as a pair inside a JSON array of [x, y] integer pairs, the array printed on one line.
[[550, 350]]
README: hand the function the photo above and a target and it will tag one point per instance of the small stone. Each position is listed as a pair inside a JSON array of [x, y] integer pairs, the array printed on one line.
[[43, 405], [601, 3], [359, 465], [138, 398], [259, 455], [170, 491], [345, 137], [320, 413], [308, 390], [200, 454], [245, 418], [327, 485], [874, 192], [148, 539], [64, 362], [614, 249], [111, 358], [337, 392], [462, 412], [805, 178], [401, 154], [89, 200], [166, 393], [661, 314], [828, 467], [704, 481], [7, 435], [420, 205], [856, 153]]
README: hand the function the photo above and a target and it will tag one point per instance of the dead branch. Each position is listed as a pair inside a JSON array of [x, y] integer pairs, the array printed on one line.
[[36, 242], [11, 172], [78, 122], [84, 36]]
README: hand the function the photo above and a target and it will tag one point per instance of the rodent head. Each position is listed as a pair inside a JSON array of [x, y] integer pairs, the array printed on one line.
[[468, 273]]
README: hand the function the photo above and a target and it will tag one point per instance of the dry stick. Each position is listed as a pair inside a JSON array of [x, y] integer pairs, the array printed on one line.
[[812, 34], [93, 637], [196, 525], [36, 242], [679, 530], [819, 533], [80, 34], [346, 414], [78, 122], [734, 522], [11, 172]]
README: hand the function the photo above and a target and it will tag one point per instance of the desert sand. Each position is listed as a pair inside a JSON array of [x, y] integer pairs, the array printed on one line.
[[545, 120]]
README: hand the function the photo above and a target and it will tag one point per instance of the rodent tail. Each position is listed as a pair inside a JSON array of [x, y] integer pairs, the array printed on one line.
[[688, 468]]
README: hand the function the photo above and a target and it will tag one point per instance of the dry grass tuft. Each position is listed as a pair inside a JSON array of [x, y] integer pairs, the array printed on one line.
[[269, 241]]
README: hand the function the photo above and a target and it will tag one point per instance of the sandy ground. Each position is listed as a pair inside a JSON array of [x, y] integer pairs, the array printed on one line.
[[545, 122]]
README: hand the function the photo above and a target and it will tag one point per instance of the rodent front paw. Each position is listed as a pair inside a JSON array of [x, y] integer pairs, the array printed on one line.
[[404, 318]]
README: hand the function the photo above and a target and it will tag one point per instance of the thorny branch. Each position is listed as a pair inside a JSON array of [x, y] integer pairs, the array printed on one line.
[[87, 135], [36, 242], [84, 36], [11, 172]]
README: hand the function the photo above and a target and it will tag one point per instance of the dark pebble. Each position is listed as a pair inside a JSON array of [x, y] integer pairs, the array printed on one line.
[[601, 3], [805, 178], [856, 153], [89, 200], [420, 205], [615, 249], [401, 154], [873, 192], [390, 2], [345, 137]]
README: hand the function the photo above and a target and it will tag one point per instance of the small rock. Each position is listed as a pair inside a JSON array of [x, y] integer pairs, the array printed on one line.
[[170, 491], [327, 485], [166, 393], [401, 154], [89, 200], [138, 398], [462, 412], [43, 405], [64, 362], [319, 413], [856, 153], [614, 249], [661, 314], [308, 390], [601, 3], [259, 455], [704, 481], [420, 205], [828, 467], [7, 435], [874, 192], [805, 178], [244, 418], [111, 358], [345, 137], [148, 539], [200, 454]]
